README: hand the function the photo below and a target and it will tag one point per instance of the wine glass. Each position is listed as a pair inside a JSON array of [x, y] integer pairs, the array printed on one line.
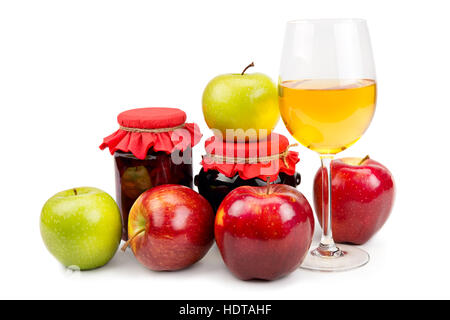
[[327, 95]]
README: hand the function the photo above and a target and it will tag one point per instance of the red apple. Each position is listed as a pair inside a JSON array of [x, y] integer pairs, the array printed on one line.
[[362, 198], [170, 227], [264, 233]]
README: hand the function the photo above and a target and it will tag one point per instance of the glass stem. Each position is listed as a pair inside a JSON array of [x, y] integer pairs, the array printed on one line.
[[327, 246]]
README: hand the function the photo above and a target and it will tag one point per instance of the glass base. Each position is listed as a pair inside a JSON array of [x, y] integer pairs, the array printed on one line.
[[346, 258]]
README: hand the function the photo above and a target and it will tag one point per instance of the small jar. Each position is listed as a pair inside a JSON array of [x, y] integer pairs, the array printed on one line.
[[229, 165], [152, 147]]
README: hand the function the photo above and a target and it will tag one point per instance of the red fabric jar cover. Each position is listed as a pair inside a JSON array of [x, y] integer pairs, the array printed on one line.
[[163, 129], [253, 159]]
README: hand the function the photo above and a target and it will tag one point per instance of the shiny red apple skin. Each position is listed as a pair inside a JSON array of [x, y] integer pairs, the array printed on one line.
[[264, 236], [179, 227], [362, 198]]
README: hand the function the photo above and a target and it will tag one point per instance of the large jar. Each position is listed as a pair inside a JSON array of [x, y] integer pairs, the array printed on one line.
[[229, 165], [152, 147]]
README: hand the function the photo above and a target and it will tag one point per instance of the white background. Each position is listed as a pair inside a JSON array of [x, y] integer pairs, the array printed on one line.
[[67, 68]]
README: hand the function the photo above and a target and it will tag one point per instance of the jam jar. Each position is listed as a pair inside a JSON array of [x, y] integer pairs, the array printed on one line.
[[153, 146], [229, 165]]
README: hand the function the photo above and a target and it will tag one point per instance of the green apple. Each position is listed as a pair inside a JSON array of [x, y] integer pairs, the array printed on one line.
[[135, 180], [241, 101], [81, 227]]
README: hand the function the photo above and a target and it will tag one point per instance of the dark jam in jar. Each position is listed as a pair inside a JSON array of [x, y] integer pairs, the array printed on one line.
[[215, 186], [228, 165], [134, 176]]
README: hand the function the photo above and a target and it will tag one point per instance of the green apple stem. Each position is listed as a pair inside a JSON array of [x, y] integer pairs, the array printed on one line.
[[249, 66], [364, 159], [268, 185], [127, 244], [75, 191]]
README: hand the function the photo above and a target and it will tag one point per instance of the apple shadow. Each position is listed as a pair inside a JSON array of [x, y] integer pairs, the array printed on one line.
[[125, 262], [126, 265], [211, 263]]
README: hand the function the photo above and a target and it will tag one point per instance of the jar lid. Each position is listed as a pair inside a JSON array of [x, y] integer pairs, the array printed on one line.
[[163, 129], [263, 159]]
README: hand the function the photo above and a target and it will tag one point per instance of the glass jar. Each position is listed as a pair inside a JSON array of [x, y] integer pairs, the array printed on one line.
[[153, 146], [215, 186], [134, 176], [228, 165]]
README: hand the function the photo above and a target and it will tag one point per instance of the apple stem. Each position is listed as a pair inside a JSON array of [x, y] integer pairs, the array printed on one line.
[[364, 159], [75, 191], [249, 66], [127, 244], [268, 185]]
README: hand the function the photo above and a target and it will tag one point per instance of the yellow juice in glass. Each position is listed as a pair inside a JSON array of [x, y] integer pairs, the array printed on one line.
[[327, 116]]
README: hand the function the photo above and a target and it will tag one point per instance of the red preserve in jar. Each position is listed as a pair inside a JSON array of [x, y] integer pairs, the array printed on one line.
[[229, 165], [153, 146]]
